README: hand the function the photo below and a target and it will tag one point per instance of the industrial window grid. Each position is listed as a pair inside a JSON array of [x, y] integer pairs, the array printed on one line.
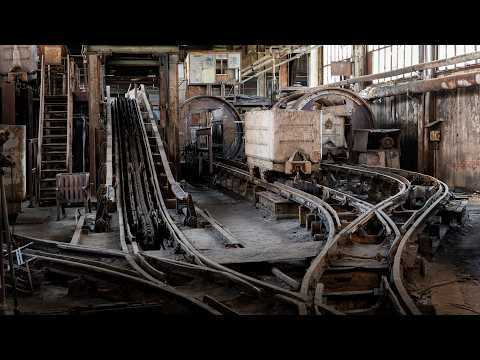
[[332, 53], [392, 57], [384, 58], [448, 51]]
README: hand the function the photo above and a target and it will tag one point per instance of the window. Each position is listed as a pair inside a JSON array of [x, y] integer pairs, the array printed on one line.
[[333, 53], [448, 51], [384, 58], [221, 66]]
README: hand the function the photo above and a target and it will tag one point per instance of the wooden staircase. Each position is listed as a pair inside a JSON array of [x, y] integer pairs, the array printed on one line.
[[54, 139]]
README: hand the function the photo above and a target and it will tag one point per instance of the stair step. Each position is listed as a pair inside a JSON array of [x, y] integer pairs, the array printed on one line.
[[54, 136], [56, 104], [48, 179], [55, 170], [50, 198], [56, 111], [53, 161], [54, 144], [48, 189], [55, 152], [55, 97], [57, 119], [54, 128]]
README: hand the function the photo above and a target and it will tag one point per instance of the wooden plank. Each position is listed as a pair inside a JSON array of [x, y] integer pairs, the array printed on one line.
[[94, 114], [78, 231], [267, 252], [226, 235]]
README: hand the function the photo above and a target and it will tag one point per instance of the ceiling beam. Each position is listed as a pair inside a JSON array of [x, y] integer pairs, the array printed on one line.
[[133, 62], [128, 49]]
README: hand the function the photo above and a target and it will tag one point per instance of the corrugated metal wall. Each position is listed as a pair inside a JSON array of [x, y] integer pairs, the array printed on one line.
[[401, 112], [458, 162], [459, 154]]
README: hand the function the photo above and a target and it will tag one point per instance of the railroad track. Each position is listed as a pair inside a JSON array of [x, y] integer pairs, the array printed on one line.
[[351, 216], [343, 218], [362, 218], [374, 206], [142, 199]]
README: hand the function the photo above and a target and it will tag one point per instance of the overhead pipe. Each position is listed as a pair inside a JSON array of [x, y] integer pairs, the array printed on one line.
[[281, 63], [264, 61], [421, 86], [418, 67]]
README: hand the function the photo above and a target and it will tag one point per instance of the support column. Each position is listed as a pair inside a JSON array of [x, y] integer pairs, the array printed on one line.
[[8, 103], [283, 76], [359, 64], [320, 65], [94, 115], [313, 68], [173, 106], [428, 114], [262, 85], [163, 89]]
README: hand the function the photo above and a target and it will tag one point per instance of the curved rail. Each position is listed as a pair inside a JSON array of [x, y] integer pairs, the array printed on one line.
[[416, 220], [319, 264], [170, 292]]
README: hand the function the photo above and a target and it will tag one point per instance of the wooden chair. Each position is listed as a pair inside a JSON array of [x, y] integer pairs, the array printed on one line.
[[72, 189]]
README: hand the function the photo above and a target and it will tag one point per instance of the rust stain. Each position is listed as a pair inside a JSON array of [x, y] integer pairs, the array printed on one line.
[[15, 148], [467, 164]]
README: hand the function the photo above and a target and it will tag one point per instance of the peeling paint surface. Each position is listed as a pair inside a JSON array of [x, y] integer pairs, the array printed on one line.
[[15, 148]]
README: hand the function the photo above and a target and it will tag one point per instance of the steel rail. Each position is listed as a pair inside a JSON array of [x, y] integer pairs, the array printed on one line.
[[312, 202], [318, 265], [258, 286], [165, 289], [429, 206], [370, 210]]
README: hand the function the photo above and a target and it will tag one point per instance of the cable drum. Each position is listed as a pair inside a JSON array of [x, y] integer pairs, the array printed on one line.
[[361, 116], [227, 130]]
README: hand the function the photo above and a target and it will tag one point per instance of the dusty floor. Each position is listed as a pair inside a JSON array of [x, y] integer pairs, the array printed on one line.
[[41, 222], [454, 274], [107, 240], [248, 224]]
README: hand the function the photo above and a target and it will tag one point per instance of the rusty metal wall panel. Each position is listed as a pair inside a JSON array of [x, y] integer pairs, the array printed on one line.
[[459, 153], [445, 107], [341, 68], [53, 54], [15, 147], [24, 57], [458, 157]]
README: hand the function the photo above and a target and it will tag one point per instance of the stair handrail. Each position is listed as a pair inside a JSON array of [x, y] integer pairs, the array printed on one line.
[[69, 117], [40, 125]]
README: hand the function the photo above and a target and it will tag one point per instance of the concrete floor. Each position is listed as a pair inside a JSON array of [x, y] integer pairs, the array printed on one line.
[[251, 226], [453, 276], [110, 240], [41, 222]]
